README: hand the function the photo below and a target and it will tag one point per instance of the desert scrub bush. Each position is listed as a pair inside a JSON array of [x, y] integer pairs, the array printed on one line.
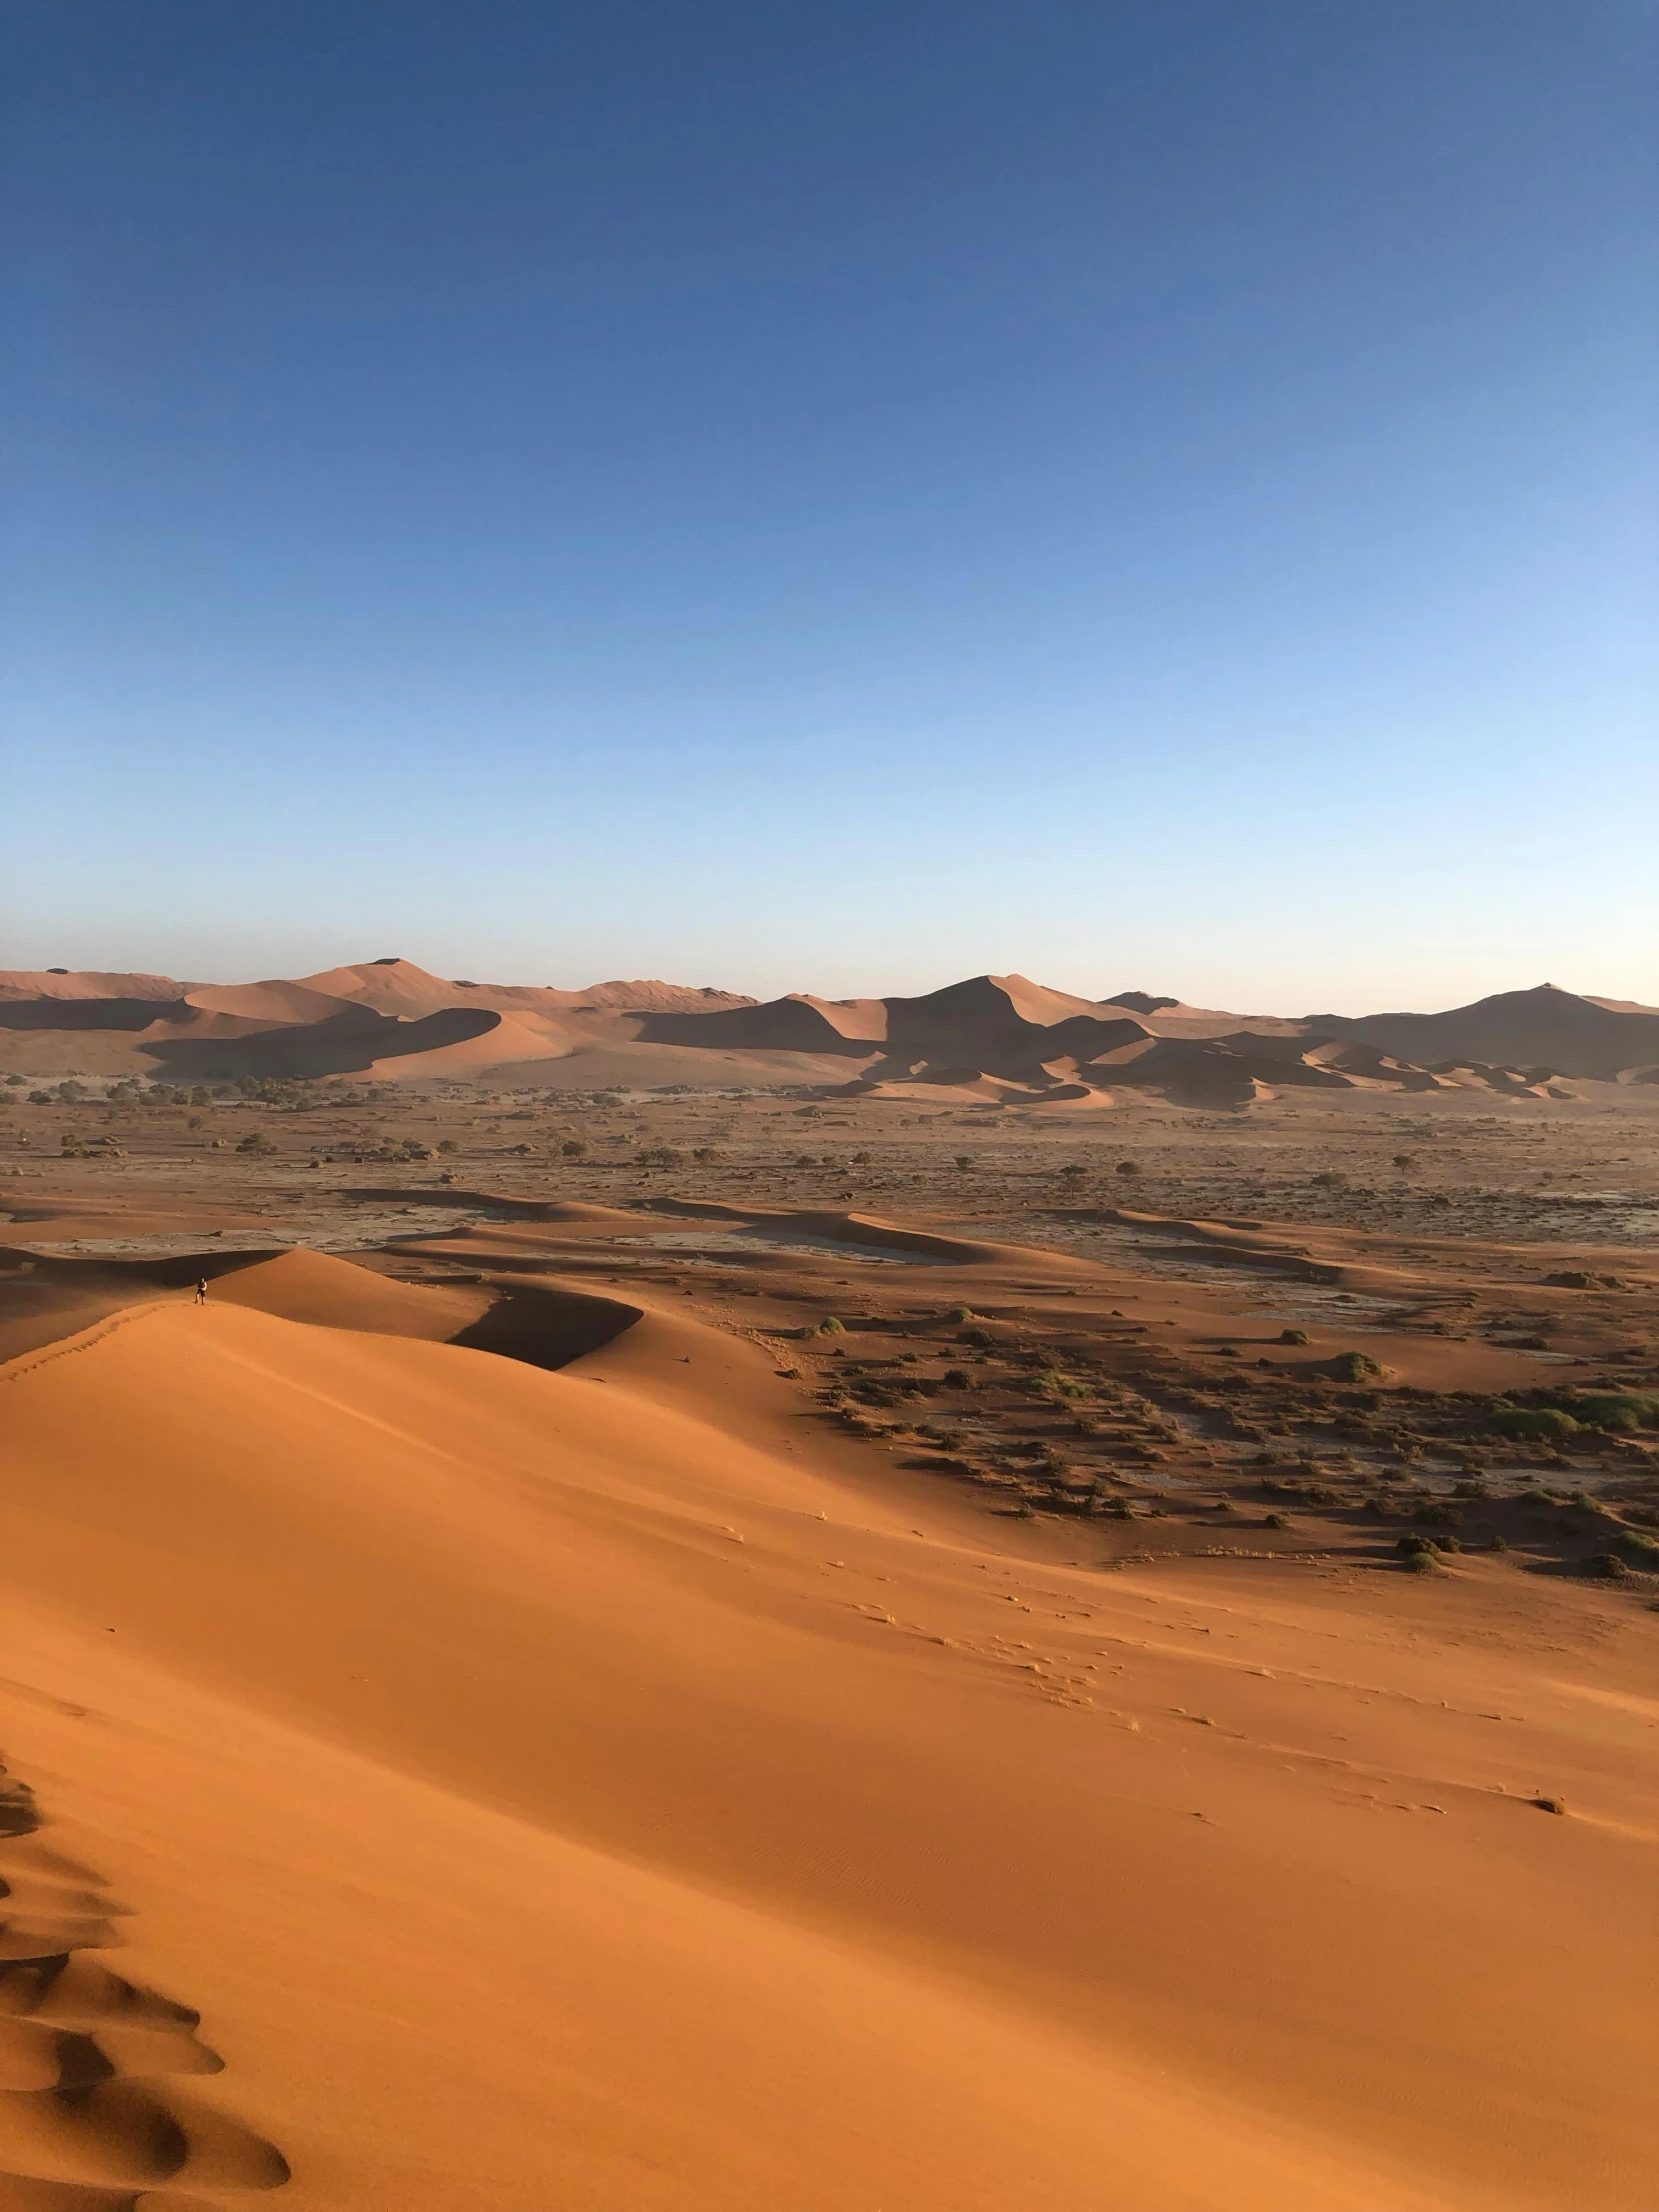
[[1435, 1513], [658, 1156], [1421, 1554], [1292, 1335], [1532, 1424], [1353, 1366], [1051, 1382], [1619, 1411], [959, 1378], [1606, 1567], [830, 1325], [1637, 1550]]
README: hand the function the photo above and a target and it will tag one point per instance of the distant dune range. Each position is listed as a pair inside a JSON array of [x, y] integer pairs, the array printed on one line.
[[996, 1038]]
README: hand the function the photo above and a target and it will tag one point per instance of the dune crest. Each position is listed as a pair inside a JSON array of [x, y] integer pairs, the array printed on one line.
[[1000, 1039]]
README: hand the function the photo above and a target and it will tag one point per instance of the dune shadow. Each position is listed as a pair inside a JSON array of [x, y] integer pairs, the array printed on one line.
[[545, 1326], [347, 1043]]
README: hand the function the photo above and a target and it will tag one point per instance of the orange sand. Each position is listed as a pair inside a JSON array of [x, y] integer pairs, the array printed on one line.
[[557, 1790]]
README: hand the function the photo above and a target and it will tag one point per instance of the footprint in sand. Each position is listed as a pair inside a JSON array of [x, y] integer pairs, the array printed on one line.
[[90, 2118]]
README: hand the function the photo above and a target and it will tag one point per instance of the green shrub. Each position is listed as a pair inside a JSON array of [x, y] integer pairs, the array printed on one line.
[[1292, 1335], [1533, 1423], [1622, 1412], [830, 1325], [1353, 1366]]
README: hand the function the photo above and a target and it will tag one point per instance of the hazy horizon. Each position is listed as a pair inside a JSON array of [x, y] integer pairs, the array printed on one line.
[[453, 972]]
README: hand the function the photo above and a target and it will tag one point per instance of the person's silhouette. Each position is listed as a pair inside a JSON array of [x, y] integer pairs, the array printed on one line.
[[200, 1290]]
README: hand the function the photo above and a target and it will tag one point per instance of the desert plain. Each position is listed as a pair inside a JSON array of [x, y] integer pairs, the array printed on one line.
[[991, 1601]]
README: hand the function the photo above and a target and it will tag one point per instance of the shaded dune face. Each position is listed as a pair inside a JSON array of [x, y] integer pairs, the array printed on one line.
[[1517, 1029], [567, 1788], [90, 1013], [347, 1043], [992, 1031]]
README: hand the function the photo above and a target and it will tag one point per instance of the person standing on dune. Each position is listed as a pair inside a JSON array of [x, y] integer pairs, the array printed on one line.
[[200, 1290]]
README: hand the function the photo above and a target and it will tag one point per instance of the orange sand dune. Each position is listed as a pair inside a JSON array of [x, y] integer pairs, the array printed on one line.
[[551, 1797], [992, 1038]]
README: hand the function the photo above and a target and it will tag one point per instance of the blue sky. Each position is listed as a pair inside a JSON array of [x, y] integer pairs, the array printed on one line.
[[1158, 494]]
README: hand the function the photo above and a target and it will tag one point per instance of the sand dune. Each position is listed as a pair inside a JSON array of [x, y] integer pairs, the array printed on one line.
[[570, 1789], [1000, 1039], [1549, 1027]]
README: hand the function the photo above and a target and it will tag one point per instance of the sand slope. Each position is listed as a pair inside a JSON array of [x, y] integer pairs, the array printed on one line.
[[549, 1797], [996, 1037]]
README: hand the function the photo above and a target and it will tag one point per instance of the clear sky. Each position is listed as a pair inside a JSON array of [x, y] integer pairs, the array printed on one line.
[[1150, 493]]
